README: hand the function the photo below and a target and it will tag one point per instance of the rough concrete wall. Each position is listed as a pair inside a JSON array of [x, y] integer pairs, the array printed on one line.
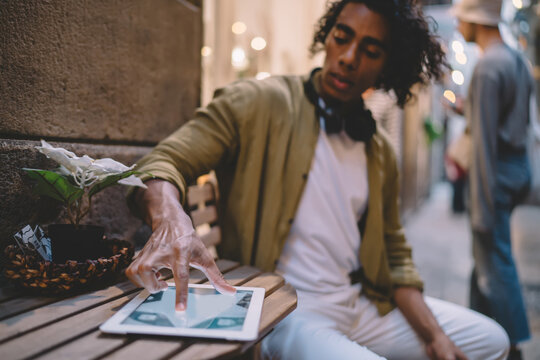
[[107, 78], [109, 70]]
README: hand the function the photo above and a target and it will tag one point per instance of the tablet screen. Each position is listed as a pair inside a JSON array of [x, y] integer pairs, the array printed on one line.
[[208, 314], [207, 309]]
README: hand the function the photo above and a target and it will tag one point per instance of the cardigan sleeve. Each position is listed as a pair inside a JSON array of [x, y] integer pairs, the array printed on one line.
[[403, 272]]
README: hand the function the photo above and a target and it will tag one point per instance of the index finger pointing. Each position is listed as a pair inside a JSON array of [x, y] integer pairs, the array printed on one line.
[[181, 280]]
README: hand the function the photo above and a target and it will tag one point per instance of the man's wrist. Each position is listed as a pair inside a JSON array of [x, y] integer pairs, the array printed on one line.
[[168, 212]]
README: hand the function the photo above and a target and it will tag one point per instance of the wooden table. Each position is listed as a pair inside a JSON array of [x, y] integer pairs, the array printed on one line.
[[67, 328]]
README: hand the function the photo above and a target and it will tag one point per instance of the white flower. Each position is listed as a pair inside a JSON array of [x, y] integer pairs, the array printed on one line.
[[86, 170], [132, 180], [65, 158]]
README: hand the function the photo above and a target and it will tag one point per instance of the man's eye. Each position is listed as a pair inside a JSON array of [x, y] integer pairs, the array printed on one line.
[[340, 40], [373, 54], [340, 37]]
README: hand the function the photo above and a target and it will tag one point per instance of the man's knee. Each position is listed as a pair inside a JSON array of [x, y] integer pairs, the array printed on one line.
[[500, 342], [495, 343]]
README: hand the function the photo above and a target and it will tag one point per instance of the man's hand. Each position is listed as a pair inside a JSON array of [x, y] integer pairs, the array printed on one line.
[[438, 345], [442, 348], [173, 244]]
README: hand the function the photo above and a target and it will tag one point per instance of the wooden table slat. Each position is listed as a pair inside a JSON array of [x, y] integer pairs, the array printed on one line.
[[25, 303], [87, 347], [269, 281], [57, 311], [207, 351], [48, 337], [239, 276], [150, 349]]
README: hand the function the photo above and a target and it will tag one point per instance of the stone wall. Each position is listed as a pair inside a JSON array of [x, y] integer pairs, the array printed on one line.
[[107, 78]]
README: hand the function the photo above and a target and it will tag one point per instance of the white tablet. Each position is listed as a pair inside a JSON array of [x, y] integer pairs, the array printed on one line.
[[208, 314]]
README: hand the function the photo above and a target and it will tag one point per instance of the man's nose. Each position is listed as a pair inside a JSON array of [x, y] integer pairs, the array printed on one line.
[[350, 57]]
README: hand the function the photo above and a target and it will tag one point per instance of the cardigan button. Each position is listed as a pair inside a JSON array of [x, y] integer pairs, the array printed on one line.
[[304, 176], [291, 221]]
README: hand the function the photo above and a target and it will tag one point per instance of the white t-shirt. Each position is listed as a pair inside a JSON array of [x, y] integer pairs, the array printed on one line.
[[322, 246]]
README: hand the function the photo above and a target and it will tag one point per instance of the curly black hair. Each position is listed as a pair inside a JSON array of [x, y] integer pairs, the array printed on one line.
[[415, 54]]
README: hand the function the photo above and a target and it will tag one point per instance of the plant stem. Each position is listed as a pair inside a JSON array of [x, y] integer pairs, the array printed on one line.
[[72, 220], [87, 210]]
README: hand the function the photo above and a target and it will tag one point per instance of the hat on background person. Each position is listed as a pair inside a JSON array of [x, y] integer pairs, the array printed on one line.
[[483, 12]]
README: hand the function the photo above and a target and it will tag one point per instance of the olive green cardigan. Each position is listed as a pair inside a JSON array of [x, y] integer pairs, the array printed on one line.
[[260, 138]]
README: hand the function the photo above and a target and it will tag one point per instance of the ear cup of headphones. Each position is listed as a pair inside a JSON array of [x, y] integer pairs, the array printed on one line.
[[362, 127]]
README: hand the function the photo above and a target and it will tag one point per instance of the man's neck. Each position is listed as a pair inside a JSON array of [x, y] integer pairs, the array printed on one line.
[[487, 36]]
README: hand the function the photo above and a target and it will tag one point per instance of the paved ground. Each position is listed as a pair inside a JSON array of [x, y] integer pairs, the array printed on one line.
[[442, 250]]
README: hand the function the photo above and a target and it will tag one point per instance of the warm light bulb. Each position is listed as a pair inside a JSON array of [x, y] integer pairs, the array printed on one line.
[[457, 77], [461, 58], [258, 43], [239, 28], [238, 58], [518, 3], [457, 46], [450, 96], [206, 51]]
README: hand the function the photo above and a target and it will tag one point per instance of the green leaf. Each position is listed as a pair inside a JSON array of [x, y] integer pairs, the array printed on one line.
[[54, 185], [432, 130], [109, 181]]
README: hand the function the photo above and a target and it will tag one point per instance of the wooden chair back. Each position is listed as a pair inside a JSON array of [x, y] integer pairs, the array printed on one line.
[[202, 203]]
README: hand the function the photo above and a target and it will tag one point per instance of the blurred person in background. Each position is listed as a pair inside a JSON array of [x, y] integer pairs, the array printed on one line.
[[309, 188], [388, 116], [497, 112]]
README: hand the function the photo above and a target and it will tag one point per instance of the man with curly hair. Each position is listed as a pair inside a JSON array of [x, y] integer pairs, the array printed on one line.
[[309, 189]]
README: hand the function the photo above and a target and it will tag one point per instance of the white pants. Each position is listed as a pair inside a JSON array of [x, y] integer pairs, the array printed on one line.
[[353, 329]]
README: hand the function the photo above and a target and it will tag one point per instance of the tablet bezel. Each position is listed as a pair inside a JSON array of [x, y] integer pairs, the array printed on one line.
[[250, 329]]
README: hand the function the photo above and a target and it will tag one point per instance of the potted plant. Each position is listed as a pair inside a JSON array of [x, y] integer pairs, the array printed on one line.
[[74, 183]]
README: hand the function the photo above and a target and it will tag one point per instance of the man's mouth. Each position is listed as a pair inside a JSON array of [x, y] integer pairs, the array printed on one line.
[[340, 82]]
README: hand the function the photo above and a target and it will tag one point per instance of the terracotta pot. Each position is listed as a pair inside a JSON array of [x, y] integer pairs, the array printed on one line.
[[81, 243]]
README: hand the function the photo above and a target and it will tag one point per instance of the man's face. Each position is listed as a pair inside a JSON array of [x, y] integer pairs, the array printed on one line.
[[467, 30], [355, 53]]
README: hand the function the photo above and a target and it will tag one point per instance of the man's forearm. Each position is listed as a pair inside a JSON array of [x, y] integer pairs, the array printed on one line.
[[160, 201], [410, 302]]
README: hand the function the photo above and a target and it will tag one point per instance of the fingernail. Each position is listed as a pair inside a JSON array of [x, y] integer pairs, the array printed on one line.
[[180, 307], [230, 291]]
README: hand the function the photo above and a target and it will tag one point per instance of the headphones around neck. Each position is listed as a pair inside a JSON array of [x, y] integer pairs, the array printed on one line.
[[358, 123]]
